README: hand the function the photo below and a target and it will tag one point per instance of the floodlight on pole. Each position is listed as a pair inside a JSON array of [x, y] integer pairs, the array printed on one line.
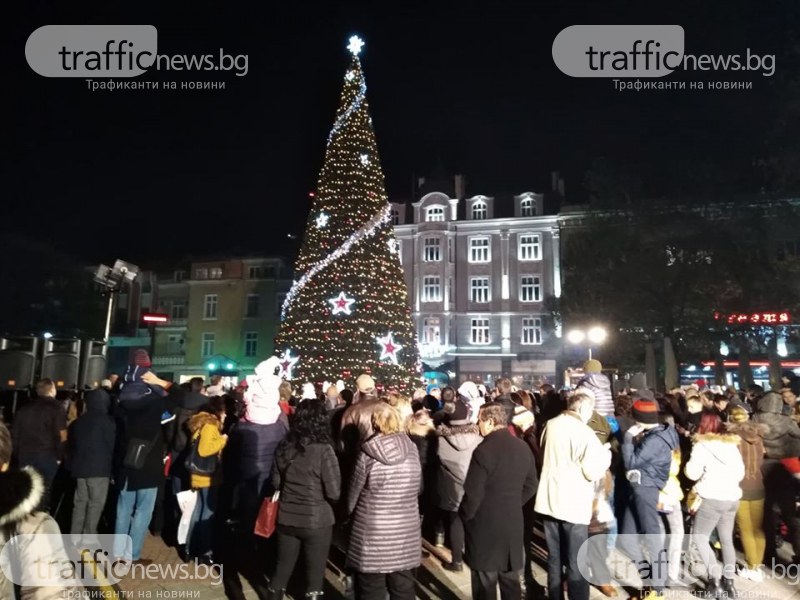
[[594, 335], [576, 336], [112, 279]]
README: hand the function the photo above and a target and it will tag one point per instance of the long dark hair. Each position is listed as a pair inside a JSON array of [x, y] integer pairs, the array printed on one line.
[[309, 425]]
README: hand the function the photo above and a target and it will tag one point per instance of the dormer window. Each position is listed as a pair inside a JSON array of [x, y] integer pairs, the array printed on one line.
[[527, 207], [434, 214], [479, 210], [395, 217]]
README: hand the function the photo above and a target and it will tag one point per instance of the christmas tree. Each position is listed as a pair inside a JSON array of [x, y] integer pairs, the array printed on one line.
[[347, 312]]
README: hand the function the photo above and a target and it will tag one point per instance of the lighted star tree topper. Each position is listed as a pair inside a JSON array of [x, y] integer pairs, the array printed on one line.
[[347, 312]]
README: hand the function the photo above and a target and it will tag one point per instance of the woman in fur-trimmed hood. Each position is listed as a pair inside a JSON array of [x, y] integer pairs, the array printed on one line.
[[20, 496]]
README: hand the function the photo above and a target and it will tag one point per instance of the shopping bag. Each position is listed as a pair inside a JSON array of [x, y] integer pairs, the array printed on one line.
[[267, 516], [186, 502]]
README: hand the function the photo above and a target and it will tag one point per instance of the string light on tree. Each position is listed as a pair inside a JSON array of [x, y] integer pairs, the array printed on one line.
[[358, 256], [288, 363], [341, 304], [389, 348], [322, 220]]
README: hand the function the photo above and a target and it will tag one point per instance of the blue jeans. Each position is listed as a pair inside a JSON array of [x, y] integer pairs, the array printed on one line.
[[201, 527], [134, 510]]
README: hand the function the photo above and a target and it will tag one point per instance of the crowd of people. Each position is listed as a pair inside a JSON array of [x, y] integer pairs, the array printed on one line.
[[374, 472]]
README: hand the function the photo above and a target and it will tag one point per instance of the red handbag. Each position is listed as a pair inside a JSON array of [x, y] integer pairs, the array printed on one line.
[[267, 516]]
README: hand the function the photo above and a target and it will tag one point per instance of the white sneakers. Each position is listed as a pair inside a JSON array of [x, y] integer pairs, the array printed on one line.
[[751, 574]]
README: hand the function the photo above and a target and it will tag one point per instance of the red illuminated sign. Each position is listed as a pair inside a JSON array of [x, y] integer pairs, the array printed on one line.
[[756, 318], [155, 318]]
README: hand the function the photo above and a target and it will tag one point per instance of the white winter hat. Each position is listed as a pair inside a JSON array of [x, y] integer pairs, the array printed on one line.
[[309, 393], [469, 389], [262, 396]]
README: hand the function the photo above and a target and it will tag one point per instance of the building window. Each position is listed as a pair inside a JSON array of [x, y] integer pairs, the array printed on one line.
[[201, 273], [431, 288], [479, 289], [479, 210], [479, 331], [250, 343], [178, 309], [431, 332], [526, 208], [210, 306], [215, 273], [174, 344], [255, 273], [531, 331], [432, 250], [530, 247], [395, 217], [179, 276], [252, 306], [450, 249], [479, 250], [208, 344], [434, 214], [530, 290]]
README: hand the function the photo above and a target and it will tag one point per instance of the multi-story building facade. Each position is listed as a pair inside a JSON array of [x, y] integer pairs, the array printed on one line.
[[478, 270], [223, 315]]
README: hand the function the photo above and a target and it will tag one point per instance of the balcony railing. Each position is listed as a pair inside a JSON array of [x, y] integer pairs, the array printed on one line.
[[170, 360]]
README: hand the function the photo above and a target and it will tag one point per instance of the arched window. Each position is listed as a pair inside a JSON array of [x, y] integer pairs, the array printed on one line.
[[434, 214], [526, 207], [479, 210]]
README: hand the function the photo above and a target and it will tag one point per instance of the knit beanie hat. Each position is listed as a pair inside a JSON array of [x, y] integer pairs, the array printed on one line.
[[141, 358], [456, 411], [645, 412], [592, 366]]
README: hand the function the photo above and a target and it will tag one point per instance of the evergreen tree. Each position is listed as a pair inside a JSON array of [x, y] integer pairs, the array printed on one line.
[[347, 312]]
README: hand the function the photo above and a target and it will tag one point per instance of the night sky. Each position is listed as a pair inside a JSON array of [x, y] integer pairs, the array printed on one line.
[[155, 174]]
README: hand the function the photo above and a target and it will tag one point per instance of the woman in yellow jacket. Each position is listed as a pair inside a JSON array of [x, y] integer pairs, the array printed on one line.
[[205, 428]]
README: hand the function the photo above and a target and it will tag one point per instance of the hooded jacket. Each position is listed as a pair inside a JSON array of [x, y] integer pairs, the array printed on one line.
[[91, 438], [382, 499], [457, 442], [140, 420], [207, 427], [716, 465], [188, 404], [651, 455], [783, 438], [20, 495], [471, 396], [751, 447], [600, 386]]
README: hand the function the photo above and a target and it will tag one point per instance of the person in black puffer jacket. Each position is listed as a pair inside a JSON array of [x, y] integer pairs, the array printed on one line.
[[307, 474], [90, 457]]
